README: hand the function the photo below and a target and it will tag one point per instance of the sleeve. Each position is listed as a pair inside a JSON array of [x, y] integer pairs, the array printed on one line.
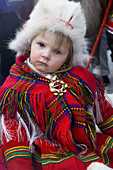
[[102, 108], [16, 145]]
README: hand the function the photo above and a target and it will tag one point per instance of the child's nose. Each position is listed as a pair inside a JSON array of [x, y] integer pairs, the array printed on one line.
[[46, 54]]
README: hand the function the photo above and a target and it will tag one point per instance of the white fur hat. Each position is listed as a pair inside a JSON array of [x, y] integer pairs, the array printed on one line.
[[61, 16]]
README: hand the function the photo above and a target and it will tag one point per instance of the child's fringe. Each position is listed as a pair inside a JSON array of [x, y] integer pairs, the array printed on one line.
[[6, 132]]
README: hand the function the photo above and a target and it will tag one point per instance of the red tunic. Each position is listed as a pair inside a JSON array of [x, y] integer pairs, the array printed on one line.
[[109, 23], [42, 130]]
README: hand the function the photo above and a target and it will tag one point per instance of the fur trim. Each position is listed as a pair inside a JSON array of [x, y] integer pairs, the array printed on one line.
[[54, 15], [98, 166]]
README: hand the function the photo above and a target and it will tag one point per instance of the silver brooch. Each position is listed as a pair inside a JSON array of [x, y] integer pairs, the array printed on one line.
[[58, 87]]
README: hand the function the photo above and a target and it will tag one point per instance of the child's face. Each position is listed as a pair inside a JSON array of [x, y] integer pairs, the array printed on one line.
[[45, 55]]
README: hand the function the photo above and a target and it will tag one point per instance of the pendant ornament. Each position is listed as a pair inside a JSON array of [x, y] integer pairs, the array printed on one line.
[[58, 87]]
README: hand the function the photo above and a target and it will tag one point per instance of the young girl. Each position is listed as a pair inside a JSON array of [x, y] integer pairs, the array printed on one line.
[[49, 104]]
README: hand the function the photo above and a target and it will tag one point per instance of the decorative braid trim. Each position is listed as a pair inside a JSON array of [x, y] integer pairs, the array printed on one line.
[[107, 124], [17, 152]]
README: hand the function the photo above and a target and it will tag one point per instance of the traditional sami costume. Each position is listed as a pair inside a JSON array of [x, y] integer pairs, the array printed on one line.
[[109, 23], [50, 124]]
